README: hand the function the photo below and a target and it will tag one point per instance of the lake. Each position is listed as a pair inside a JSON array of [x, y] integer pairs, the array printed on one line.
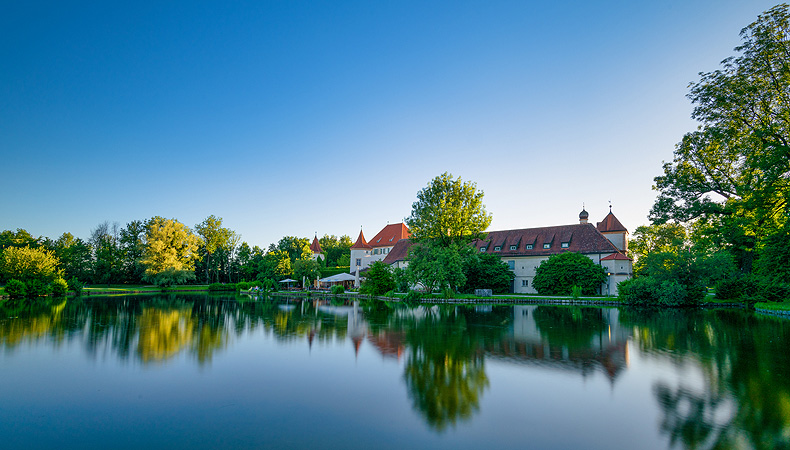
[[205, 371]]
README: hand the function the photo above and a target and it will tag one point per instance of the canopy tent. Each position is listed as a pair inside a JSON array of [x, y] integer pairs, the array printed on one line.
[[338, 278], [342, 278], [289, 281]]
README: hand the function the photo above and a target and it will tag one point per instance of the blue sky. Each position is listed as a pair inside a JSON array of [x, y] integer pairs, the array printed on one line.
[[289, 118]]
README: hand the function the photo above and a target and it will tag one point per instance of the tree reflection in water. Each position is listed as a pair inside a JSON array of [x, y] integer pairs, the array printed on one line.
[[445, 371], [745, 400]]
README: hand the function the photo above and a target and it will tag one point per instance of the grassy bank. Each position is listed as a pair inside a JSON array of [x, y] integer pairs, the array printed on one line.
[[124, 288], [773, 306]]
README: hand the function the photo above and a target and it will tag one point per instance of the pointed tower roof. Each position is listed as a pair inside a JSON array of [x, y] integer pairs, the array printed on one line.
[[610, 223], [315, 247], [361, 243]]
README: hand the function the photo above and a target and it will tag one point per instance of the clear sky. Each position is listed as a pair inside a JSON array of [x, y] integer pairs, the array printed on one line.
[[295, 117]]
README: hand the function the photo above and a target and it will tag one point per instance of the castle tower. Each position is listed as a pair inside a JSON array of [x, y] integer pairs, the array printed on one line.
[[614, 231]]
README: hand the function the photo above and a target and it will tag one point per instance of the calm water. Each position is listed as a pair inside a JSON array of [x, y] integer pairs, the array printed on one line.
[[225, 372]]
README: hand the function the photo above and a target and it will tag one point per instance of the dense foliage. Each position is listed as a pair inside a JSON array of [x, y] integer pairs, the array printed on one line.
[[378, 279], [730, 176], [487, 271], [448, 211], [560, 273]]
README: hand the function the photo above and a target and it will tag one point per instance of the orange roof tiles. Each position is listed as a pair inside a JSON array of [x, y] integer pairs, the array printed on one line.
[[616, 257], [361, 242], [610, 224], [390, 235], [315, 247]]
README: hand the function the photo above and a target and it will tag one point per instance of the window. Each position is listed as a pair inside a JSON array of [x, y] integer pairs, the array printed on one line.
[[511, 265], [497, 248], [529, 247], [375, 251], [546, 245], [565, 244], [524, 283], [482, 249], [513, 247], [359, 262]]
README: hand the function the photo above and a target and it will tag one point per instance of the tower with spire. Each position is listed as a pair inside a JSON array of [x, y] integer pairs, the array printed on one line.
[[614, 231], [315, 247]]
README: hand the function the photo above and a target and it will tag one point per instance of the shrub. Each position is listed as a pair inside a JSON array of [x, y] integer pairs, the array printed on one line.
[[576, 292], [269, 285], [730, 289], [558, 274], [413, 296], [242, 286], [639, 291], [38, 288], [447, 293], [672, 293], [170, 277], [217, 287], [59, 287], [15, 288], [379, 279], [390, 294], [76, 285], [648, 291], [337, 289], [761, 289]]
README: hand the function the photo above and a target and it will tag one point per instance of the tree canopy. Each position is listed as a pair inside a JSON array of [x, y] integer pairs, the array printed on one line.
[[558, 274], [734, 171], [171, 248], [448, 211], [29, 264]]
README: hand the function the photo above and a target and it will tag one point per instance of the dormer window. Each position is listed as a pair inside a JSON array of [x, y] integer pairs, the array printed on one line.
[[547, 245], [529, 247], [482, 249], [513, 247], [565, 244], [497, 248]]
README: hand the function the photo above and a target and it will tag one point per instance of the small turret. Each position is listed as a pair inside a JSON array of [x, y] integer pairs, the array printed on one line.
[[583, 216]]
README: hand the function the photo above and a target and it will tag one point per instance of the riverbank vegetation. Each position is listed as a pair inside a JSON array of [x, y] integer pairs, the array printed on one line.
[[720, 218], [156, 253]]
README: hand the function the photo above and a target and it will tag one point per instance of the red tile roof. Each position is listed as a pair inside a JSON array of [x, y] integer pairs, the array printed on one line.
[[390, 235], [361, 242], [616, 257], [610, 224], [399, 251], [315, 247], [581, 238]]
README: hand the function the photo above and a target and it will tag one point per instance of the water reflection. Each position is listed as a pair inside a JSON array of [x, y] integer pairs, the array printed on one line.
[[730, 372], [744, 400]]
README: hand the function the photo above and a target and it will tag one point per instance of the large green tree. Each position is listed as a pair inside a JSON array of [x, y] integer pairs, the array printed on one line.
[[171, 251], [734, 171], [448, 214], [448, 211], [218, 247], [28, 264], [76, 257], [335, 248], [132, 241]]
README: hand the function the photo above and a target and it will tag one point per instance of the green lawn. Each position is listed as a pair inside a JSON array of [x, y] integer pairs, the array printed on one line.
[[773, 306], [142, 288]]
